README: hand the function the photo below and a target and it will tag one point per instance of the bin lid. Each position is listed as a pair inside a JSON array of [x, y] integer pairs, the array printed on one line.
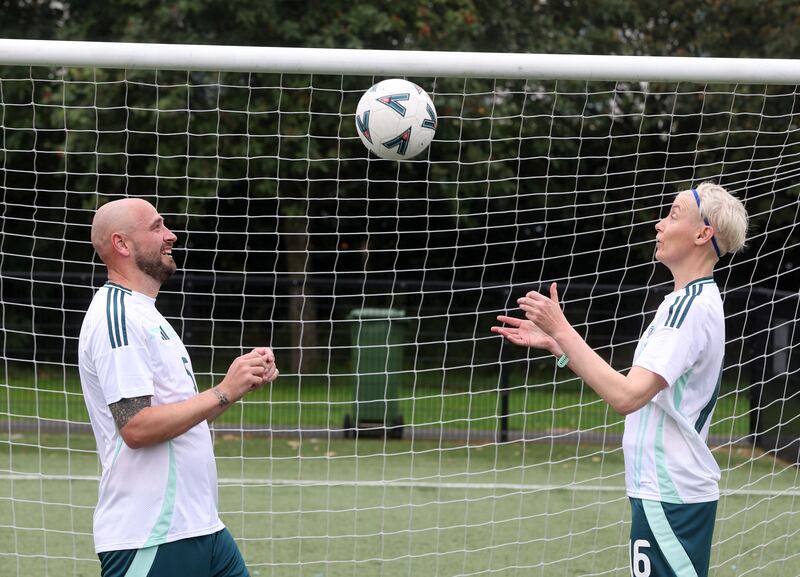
[[376, 313]]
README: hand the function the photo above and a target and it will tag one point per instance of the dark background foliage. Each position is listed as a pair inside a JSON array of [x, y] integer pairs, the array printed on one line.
[[284, 217]]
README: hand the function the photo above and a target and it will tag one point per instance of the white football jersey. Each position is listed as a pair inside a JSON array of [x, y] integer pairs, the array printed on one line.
[[666, 455], [156, 494]]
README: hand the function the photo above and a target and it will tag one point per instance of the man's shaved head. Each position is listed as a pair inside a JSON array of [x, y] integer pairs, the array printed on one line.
[[117, 216], [133, 241]]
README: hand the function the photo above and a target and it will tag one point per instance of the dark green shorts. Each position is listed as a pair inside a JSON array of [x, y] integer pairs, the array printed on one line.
[[671, 540], [214, 555]]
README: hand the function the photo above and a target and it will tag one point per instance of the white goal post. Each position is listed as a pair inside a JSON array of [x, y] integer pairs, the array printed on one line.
[[396, 62], [402, 437]]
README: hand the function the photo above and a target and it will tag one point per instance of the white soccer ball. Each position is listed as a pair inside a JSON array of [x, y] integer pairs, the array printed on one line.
[[396, 119]]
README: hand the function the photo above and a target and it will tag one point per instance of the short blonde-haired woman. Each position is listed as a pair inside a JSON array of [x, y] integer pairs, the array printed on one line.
[[668, 395]]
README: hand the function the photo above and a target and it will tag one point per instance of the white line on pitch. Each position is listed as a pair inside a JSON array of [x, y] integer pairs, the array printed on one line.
[[525, 488]]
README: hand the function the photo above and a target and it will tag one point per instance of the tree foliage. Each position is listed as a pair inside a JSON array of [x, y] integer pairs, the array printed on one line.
[[718, 28], [255, 162]]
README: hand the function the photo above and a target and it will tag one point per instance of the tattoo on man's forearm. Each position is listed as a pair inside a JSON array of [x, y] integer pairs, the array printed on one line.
[[125, 409]]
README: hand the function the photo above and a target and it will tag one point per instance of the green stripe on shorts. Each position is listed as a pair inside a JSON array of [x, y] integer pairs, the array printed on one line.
[[142, 562], [667, 541]]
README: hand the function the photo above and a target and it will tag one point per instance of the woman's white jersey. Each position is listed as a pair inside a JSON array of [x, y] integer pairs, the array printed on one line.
[[156, 494], [666, 455]]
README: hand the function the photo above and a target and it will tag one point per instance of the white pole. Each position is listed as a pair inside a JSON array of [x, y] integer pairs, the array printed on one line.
[[397, 63]]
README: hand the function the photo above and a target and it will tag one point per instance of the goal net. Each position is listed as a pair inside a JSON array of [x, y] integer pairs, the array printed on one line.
[[402, 437]]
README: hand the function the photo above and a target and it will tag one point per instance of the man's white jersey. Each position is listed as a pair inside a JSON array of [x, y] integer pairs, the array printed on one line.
[[155, 494], [666, 455]]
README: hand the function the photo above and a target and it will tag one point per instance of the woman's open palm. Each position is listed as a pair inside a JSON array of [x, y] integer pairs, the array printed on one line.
[[524, 333]]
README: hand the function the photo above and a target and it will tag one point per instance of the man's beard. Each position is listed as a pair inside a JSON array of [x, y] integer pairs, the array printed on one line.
[[155, 268]]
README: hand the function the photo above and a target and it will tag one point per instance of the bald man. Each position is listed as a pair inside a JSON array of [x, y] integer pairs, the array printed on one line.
[[157, 505]]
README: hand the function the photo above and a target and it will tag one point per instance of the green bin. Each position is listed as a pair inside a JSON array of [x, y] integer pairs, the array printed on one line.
[[376, 335]]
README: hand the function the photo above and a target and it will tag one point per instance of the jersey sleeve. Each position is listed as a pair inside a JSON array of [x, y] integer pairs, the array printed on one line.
[[675, 346], [122, 362]]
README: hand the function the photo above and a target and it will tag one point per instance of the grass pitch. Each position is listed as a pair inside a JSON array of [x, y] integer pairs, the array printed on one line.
[[334, 507]]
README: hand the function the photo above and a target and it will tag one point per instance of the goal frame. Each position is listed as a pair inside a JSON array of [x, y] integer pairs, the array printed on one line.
[[379, 63], [389, 62]]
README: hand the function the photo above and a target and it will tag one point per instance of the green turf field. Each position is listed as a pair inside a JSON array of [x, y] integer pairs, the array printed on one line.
[[336, 507], [340, 507]]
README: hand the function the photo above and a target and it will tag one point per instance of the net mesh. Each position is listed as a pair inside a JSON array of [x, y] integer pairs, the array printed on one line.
[[402, 436]]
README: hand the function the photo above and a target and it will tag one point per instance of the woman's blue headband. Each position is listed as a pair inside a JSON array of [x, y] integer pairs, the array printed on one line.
[[705, 220]]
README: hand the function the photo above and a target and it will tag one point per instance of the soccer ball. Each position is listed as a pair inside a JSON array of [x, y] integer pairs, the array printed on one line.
[[396, 119]]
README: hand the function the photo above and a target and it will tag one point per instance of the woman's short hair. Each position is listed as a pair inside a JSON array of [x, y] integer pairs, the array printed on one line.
[[726, 215]]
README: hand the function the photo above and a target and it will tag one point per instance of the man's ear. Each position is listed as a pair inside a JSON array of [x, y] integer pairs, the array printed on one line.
[[119, 245]]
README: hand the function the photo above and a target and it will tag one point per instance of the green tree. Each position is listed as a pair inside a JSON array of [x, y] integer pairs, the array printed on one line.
[[177, 132]]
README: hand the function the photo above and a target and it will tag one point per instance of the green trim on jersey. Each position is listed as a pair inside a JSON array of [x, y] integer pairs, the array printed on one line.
[[189, 373], [640, 433], [118, 286], [666, 486], [706, 412], [674, 312], [676, 316], [161, 528], [117, 449], [701, 280], [679, 387], [695, 290], [115, 315]]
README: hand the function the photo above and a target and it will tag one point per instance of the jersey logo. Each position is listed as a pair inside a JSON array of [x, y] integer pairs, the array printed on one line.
[[164, 333], [115, 315]]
